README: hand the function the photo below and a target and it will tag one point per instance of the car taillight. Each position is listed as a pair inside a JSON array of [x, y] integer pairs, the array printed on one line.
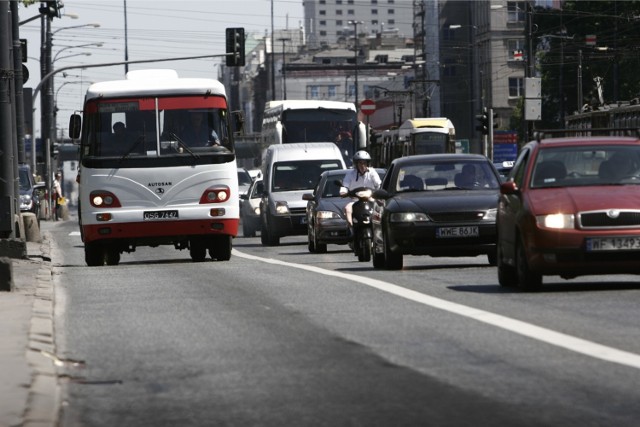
[[217, 194], [104, 199]]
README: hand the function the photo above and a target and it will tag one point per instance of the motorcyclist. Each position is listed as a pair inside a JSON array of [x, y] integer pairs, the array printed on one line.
[[360, 176]]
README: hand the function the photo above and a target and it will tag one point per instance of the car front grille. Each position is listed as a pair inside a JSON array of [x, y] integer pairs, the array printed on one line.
[[456, 216], [298, 211], [610, 218]]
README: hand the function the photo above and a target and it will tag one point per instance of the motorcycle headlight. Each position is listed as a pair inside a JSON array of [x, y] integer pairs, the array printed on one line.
[[556, 221], [408, 217]]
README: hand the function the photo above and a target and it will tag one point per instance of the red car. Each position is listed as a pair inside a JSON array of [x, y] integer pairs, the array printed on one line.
[[570, 207]]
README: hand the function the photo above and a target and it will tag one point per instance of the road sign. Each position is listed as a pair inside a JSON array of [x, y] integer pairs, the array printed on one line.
[[368, 107]]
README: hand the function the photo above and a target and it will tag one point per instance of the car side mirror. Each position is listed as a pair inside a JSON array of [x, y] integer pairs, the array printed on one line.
[[509, 187], [307, 196]]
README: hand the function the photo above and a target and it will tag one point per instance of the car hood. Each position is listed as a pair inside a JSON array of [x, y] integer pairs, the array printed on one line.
[[580, 199], [444, 201], [293, 198], [333, 204]]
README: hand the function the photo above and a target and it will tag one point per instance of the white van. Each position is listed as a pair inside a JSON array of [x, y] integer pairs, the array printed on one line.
[[290, 170]]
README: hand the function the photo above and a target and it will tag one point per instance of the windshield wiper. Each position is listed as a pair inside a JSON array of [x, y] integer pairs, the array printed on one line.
[[133, 147], [181, 144]]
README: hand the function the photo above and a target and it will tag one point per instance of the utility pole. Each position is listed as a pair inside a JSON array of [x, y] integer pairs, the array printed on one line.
[[284, 68], [355, 64]]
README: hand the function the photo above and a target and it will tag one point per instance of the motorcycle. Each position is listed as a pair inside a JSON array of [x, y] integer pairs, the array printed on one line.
[[362, 210]]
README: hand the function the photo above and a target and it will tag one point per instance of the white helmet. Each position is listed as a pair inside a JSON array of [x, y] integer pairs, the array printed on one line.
[[361, 155]]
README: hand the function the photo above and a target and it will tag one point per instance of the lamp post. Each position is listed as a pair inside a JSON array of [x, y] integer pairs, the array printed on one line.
[[47, 125], [355, 64], [55, 58], [284, 72]]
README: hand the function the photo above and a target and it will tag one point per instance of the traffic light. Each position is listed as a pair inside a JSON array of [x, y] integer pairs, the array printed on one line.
[[483, 122], [235, 47], [23, 50], [51, 8]]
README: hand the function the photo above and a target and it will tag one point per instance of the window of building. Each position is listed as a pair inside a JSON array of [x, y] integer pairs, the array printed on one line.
[[391, 22], [323, 33], [339, 23], [322, 12], [350, 12], [338, 1], [339, 12], [390, 1], [516, 49], [323, 1], [516, 87], [332, 91], [349, 1], [515, 11], [391, 11], [314, 92], [374, 1], [374, 11], [323, 23], [374, 22]]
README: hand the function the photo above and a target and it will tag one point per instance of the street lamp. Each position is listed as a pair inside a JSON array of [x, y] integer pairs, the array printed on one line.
[[99, 44], [355, 64]]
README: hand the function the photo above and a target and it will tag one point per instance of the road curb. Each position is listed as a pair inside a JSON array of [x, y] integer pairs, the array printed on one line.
[[43, 402]]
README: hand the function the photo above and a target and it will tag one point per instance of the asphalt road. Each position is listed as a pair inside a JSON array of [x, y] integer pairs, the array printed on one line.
[[280, 337]]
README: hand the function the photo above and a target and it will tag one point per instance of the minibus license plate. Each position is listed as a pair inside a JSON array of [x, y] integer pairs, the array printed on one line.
[[159, 215]]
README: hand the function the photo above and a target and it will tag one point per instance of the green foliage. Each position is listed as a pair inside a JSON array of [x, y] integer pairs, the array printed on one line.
[[561, 47]]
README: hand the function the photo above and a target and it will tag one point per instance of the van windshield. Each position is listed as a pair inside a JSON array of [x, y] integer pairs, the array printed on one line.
[[300, 174]]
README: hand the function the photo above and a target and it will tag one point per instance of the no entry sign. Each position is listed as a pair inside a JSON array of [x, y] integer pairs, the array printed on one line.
[[368, 107]]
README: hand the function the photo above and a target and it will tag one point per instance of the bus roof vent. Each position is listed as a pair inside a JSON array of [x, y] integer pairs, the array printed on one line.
[[152, 74]]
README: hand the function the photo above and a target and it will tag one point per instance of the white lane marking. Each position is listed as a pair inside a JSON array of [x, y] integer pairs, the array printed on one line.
[[569, 342], [74, 233]]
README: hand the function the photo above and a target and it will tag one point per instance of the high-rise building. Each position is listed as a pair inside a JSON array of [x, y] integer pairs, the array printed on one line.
[[327, 21]]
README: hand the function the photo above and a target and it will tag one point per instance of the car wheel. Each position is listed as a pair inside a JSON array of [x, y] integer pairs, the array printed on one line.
[[321, 248], [94, 254], [267, 236], [392, 261], [310, 239], [112, 255], [220, 248], [507, 276], [527, 280], [197, 250], [247, 231]]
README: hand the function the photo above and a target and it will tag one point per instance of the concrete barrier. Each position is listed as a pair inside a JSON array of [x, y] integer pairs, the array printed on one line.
[[6, 274], [31, 227]]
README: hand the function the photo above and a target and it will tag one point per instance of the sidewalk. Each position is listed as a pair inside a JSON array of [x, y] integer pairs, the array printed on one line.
[[28, 382]]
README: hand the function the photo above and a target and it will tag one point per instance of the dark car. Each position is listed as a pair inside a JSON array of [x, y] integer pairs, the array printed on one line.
[[326, 222], [571, 207], [29, 191], [437, 205]]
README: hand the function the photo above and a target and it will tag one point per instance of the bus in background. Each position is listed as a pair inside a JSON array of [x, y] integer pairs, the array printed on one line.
[[158, 167], [429, 135], [293, 121]]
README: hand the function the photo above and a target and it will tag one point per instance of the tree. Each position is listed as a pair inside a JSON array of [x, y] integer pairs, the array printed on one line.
[[561, 40]]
